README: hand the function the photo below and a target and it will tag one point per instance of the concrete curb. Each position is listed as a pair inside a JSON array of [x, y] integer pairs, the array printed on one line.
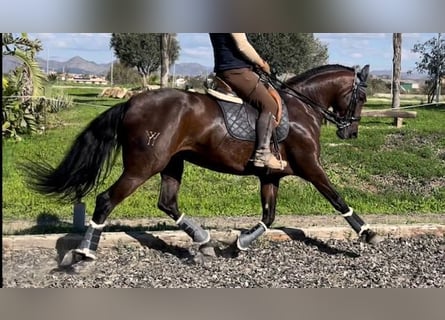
[[180, 239]]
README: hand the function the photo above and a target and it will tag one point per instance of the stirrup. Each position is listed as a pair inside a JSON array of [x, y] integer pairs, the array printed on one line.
[[263, 160], [283, 163]]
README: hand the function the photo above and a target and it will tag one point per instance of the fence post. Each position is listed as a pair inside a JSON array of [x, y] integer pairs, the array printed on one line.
[[79, 216]]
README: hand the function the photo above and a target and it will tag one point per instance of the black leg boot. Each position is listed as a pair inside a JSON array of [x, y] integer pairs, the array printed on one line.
[[198, 234], [90, 241], [246, 238]]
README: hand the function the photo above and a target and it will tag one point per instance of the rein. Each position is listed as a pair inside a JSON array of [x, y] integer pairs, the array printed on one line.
[[340, 122]]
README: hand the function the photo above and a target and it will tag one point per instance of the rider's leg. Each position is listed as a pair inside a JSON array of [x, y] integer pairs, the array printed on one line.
[[263, 156], [246, 84]]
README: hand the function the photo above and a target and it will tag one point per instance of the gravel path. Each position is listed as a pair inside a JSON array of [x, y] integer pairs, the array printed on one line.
[[413, 262]]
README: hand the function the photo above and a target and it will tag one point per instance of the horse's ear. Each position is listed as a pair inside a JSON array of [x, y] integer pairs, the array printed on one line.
[[363, 75]]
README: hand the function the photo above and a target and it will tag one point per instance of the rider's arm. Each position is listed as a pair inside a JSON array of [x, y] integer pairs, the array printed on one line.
[[246, 49]]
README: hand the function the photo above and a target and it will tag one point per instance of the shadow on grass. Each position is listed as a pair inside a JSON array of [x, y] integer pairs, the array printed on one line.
[[98, 102], [92, 94], [434, 106], [46, 224]]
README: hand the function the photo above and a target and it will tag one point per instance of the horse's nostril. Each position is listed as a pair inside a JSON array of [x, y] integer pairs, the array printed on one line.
[[354, 135]]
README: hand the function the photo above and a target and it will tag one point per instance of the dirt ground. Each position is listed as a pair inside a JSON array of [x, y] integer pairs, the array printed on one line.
[[10, 227]]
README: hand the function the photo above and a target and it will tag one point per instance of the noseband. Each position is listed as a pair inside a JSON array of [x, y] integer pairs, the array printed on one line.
[[358, 87]]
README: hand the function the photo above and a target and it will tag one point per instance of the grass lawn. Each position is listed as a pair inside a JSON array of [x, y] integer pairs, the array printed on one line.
[[386, 170]]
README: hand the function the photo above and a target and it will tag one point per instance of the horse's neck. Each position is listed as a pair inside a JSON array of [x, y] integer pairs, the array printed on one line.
[[320, 93]]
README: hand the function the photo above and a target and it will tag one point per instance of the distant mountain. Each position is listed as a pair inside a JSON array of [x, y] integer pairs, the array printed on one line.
[[76, 65], [190, 69], [404, 75], [79, 65]]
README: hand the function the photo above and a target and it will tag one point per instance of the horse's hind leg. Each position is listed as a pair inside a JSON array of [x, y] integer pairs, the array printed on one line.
[[269, 191], [105, 203], [168, 202]]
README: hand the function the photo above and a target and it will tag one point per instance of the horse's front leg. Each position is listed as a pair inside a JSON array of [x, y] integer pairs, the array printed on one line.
[[317, 176], [269, 191]]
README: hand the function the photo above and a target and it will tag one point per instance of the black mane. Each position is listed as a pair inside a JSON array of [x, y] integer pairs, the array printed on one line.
[[309, 73]]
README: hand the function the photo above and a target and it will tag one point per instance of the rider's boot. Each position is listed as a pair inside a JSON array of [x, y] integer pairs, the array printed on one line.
[[263, 156]]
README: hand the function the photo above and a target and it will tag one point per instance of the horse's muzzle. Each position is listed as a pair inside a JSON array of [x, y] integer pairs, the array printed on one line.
[[347, 134]]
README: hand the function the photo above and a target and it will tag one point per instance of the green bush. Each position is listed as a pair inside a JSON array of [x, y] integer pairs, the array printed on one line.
[[27, 116], [54, 105], [20, 117]]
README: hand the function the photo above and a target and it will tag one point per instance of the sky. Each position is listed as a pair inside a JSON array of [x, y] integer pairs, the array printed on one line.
[[344, 48]]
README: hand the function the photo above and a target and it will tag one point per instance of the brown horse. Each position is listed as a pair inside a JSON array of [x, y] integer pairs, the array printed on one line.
[[159, 130]]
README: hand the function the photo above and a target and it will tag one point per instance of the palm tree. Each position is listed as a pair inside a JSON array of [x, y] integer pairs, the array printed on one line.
[[26, 81], [29, 76]]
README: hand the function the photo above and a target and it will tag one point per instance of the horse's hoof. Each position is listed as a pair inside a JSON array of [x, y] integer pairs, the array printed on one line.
[[228, 251], [207, 250], [69, 259], [198, 259], [375, 239], [76, 261], [370, 237]]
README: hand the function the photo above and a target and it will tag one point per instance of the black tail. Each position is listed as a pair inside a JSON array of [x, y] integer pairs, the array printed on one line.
[[82, 167]]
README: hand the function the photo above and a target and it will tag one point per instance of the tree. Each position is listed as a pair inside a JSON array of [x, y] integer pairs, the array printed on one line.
[[396, 66], [432, 62], [169, 54], [22, 115], [141, 51], [376, 85], [29, 74], [123, 74], [290, 52]]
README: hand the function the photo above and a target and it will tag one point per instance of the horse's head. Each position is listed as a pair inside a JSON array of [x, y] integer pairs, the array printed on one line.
[[348, 105], [336, 86]]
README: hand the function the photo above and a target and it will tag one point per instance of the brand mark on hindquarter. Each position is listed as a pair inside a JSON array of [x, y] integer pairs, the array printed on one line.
[[151, 137]]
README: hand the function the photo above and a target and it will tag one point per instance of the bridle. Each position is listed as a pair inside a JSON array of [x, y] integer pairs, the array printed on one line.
[[358, 87], [342, 122]]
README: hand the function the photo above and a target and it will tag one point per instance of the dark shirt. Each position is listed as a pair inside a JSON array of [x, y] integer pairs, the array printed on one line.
[[226, 54]]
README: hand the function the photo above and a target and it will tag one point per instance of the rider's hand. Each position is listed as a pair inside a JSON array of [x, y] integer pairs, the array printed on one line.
[[265, 67]]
